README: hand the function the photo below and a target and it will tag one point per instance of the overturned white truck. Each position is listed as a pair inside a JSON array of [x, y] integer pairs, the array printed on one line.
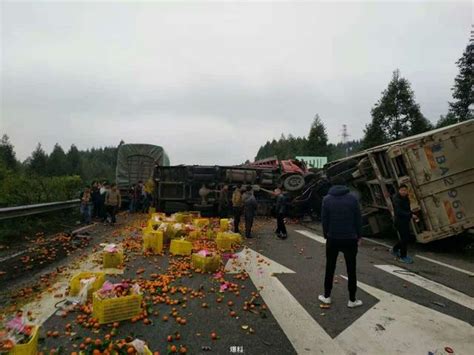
[[438, 168]]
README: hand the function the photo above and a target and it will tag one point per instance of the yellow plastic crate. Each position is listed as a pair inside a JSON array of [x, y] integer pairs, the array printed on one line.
[[181, 247], [153, 240], [206, 263], [223, 242], [116, 309], [153, 224], [236, 238], [112, 260], [201, 222], [224, 224], [194, 235], [30, 348], [183, 217], [75, 283]]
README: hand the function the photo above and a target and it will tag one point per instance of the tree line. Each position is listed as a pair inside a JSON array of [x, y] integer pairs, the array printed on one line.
[[50, 177], [395, 115]]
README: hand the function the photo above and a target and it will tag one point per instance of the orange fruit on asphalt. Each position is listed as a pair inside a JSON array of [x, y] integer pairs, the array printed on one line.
[[173, 348], [230, 303], [213, 336], [165, 318], [233, 314], [55, 334], [88, 340], [183, 350], [183, 321], [169, 338], [98, 342]]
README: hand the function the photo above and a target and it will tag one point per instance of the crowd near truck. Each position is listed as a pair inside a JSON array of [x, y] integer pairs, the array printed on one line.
[[438, 168], [136, 162], [197, 187]]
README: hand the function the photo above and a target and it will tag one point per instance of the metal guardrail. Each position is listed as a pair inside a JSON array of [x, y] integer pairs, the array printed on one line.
[[28, 210]]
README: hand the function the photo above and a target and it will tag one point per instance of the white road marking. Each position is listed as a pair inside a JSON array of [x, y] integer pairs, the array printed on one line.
[[13, 255], [377, 242], [398, 326], [304, 333], [311, 235], [437, 288], [446, 265], [320, 239]]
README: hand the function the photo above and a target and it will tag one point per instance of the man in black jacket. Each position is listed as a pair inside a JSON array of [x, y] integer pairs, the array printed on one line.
[[403, 216], [342, 228], [281, 210]]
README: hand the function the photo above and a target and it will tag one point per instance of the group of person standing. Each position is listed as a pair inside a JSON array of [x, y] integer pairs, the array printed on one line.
[[341, 223], [340, 215], [141, 196], [100, 201], [243, 202]]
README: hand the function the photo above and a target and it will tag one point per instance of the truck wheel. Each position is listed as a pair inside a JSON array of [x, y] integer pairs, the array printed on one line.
[[293, 182]]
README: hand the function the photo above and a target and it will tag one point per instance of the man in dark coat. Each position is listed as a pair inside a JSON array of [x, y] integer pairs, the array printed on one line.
[[250, 209], [281, 210], [342, 228], [402, 219]]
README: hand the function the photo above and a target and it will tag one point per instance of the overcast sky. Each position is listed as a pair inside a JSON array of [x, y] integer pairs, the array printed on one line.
[[211, 82]]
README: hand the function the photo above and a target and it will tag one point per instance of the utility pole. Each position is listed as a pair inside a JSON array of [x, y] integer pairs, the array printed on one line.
[[345, 135]]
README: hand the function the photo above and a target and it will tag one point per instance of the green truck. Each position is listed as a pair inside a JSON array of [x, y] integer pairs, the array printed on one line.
[[136, 162]]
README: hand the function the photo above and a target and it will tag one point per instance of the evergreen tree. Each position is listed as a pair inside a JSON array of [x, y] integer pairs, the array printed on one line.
[[73, 158], [38, 163], [373, 136], [396, 115], [463, 93], [317, 138], [7, 153], [447, 120], [57, 162]]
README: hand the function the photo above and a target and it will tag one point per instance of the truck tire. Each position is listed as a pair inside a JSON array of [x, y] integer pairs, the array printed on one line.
[[293, 182], [341, 167]]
